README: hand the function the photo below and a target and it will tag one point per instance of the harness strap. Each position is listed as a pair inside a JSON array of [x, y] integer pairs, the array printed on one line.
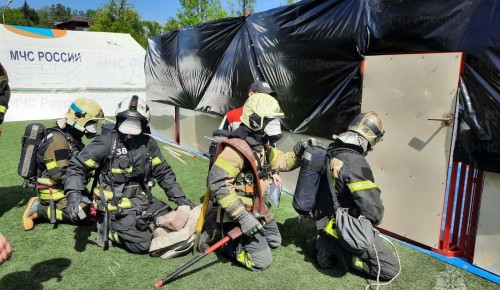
[[243, 147]]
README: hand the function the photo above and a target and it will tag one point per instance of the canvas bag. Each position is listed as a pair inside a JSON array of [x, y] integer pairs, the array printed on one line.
[[356, 235]]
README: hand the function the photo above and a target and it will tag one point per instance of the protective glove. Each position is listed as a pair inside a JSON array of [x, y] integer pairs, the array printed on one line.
[[184, 201], [249, 224], [299, 148], [74, 197]]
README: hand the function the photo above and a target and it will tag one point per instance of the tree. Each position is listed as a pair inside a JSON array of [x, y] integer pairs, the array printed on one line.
[[30, 15], [241, 7], [60, 13], [193, 12], [120, 16], [53, 14], [172, 24], [88, 13], [15, 17], [152, 28]]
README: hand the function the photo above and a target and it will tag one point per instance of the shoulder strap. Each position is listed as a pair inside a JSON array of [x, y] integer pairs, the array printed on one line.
[[245, 149], [332, 151]]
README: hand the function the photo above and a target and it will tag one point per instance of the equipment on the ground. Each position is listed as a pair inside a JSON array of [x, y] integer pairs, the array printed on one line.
[[231, 235]]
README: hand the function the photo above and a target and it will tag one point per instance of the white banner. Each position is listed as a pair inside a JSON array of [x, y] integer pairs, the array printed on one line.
[[49, 68]]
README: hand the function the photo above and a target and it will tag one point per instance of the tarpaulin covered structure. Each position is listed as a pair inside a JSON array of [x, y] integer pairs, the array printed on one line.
[[311, 53]]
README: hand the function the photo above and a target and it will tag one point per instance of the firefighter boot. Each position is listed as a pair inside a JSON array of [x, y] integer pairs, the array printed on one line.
[[30, 213]]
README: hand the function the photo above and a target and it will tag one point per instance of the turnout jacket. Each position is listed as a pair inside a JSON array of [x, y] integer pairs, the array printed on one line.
[[122, 162], [4, 93], [226, 180], [53, 157], [354, 185]]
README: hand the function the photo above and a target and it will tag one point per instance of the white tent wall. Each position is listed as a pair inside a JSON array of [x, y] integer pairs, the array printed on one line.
[[49, 68]]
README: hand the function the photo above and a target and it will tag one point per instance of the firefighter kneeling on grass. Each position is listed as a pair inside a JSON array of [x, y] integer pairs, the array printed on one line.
[[126, 162], [53, 155], [238, 180], [336, 186]]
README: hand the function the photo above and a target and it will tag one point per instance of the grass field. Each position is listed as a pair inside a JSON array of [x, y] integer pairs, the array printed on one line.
[[67, 257]]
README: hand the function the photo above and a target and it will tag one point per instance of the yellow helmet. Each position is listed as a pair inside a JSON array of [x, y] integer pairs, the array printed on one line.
[[259, 107], [369, 126], [82, 111]]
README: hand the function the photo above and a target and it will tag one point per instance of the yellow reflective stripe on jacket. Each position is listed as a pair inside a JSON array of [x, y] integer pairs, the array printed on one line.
[[108, 194], [51, 165], [273, 155], [361, 185], [290, 160], [57, 194], [246, 200], [91, 164], [3, 109], [226, 166], [124, 204], [228, 200], [46, 181], [330, 228], [156, 161], [121, 171]]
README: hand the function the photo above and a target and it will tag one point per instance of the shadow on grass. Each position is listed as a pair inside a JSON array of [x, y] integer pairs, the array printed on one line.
[[39, 273], [14, 196], [298, 233], [82, 235]]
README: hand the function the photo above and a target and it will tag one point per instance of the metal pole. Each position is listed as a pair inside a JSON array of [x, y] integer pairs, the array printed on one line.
[[3, 10]]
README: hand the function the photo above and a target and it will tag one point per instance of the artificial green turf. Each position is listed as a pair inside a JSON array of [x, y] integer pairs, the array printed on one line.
[[67, 257]]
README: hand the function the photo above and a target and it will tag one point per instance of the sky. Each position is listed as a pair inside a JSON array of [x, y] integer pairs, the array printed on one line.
[[157, 10]]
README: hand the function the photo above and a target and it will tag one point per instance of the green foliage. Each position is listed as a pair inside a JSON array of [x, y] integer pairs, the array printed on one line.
[[88, 13], [30, 15], [119, 16], [240, 7], [193, 12], [15, 17], [172, 24], [53, 14], [152, 28]]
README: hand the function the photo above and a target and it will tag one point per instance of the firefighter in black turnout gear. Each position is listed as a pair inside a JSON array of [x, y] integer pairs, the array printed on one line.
[[60, 143], [127, 162], [351, 179], [4, 94]]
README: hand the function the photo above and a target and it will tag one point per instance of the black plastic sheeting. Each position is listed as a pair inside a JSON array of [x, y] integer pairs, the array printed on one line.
[[311, 52]]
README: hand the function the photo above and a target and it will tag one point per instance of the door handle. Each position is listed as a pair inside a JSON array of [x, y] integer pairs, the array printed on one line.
[[446, 118]]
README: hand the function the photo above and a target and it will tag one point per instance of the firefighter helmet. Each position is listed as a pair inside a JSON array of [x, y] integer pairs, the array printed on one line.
[[258, 108], [369, 126], [132, 115], [81, 112]]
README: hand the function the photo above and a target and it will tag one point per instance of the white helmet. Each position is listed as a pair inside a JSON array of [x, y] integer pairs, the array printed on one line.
[[132, 115]]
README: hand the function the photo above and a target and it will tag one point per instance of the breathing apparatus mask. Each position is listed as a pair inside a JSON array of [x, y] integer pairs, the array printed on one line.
[[272, 131]]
